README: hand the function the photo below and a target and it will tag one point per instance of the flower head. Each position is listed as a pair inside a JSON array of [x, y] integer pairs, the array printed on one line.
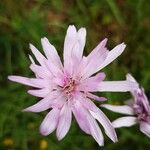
[[138, 108], [68, 88]]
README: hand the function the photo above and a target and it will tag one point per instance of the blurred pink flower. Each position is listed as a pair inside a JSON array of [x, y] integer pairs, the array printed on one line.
[[67, 89], [137, 109]]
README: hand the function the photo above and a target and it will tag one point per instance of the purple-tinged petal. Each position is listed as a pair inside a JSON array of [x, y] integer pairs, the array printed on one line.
[[139, 94], [98, 48], [107, 125], [53, 69], [81, 39], [129, 77], [51, 53], [124, 122], [94, 97], [40, 83], [43, 104], [87, 123], [49, 123], [116, 86], [80, 115], [40, 58], [40, 92], [73, 48], [31, 59], [94, 60], [69, 44], [91, 84], [40, 106], [124, 109], [64, 122], [88, 104], [145, 128], [40, 71], [95, 130], [141, 99], [22, 80], [113, 54], [26, 81], [58, 81]]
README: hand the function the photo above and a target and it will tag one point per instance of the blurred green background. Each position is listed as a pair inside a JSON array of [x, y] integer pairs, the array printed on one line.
[[26, 21]]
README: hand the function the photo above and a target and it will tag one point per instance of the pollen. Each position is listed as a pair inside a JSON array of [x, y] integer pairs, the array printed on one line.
[[69, 87]]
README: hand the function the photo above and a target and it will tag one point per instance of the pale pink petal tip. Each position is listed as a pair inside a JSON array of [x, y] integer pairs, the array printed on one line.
[[104, 41], [49, 123], [71, 30], [129, 77], [145, 128], [31, 59], [124, 109], [124, 122], [64, 122], [11, 78], [107, 125]]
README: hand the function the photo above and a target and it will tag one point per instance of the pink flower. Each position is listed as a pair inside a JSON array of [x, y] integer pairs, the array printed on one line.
[[67, 88], [137, 109]]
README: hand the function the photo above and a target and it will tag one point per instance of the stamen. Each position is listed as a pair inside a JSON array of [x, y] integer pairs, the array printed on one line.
[[69, 87]]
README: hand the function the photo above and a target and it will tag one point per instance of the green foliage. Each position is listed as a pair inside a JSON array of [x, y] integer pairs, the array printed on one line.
[[25, 21]]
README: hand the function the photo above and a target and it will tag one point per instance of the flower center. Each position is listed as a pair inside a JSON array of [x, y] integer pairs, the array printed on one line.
[[69, 87], [140, 112]]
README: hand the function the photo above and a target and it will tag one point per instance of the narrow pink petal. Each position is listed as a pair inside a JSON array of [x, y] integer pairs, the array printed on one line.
[[64, 122], [81, 39], [87, 123], [124, 122], [40, 106], [140, 98], [107, 125], [70, 40], [145, 128], [94, 62], [129, 77], [94, 97], [40, 71], [31, 59], [88, 104], [139, 94], [144, 100], [59, 81], [97, 78], [40, 92], [60, 101], [81, 66], [43, 104], [51, 53], [55, 71], [22, 80], [113, 54], [95, 130], [98, 48], [73, 48], [116, 86], [124, 109], [91, 84], [49, 123], [40, 83], [40, 58], [80, 115]]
